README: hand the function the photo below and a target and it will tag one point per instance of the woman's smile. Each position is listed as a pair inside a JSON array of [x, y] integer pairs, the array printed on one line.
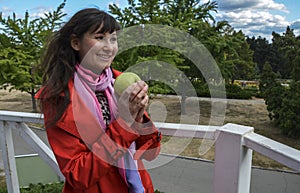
[[105, 57]]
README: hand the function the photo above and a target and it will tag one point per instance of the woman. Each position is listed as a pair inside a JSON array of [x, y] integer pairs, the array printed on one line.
[[98, 140]]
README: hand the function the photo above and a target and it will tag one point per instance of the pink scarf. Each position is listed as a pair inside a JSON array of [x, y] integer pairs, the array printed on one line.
[[86, 83]]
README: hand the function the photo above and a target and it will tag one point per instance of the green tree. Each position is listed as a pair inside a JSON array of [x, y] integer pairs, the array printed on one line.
[[20, 56], [186, 15], [261, 52], [272, 91], [285, 48], [288, 120], [283, 102], [289, 113]]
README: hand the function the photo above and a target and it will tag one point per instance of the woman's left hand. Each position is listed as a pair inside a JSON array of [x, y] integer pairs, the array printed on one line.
[[133, 102]]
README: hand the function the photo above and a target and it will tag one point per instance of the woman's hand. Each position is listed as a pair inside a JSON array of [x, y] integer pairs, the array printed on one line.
[[133, 102]]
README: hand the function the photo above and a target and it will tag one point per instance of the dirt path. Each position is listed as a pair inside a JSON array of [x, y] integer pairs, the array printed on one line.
[[15, 101]]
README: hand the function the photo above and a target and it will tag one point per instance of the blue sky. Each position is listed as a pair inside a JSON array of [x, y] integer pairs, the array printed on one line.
[[253, 17]]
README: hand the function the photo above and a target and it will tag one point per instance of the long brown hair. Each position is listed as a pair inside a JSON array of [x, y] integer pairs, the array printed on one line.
[[60, 58]]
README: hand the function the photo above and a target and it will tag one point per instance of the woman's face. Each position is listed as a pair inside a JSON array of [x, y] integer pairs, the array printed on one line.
[[96, 50]]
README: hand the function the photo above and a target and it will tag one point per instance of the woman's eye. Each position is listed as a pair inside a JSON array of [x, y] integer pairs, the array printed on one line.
[[100, 37], [114, 39]]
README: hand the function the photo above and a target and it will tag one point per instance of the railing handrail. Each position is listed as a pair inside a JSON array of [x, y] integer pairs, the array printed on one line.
[[226, 137], [253, 141], [279, 152], [21, 117]]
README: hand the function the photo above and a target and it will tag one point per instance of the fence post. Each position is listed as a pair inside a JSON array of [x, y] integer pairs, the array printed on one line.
[[232, 170], [8, 156]]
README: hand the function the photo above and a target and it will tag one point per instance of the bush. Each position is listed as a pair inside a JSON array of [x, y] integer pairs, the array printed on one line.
[[40, 188], [236, 92], [159, 88], [232, 91], [203, 90], [45, 188]]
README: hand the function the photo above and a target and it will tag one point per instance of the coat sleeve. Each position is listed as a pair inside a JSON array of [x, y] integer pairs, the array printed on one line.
[[148, 144], [116, 139], [80, 166]]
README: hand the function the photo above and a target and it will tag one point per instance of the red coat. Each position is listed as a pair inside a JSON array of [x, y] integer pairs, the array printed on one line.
[[84, 171]]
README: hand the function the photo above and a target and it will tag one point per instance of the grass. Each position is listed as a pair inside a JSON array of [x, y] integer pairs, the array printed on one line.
[[2, 180]]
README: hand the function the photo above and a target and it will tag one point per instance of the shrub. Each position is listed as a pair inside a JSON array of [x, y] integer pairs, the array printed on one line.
[[45, 188], [236, 92], [159, 88], [39, 188]]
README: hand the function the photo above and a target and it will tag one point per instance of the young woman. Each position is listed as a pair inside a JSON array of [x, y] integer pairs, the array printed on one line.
[[99, 141]]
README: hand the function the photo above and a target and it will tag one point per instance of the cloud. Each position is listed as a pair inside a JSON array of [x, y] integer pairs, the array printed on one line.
[[296, 26], [230, 5], [33, 13], [249, 18], [6, 11], [39, 11], [253, 17], [271, 5]]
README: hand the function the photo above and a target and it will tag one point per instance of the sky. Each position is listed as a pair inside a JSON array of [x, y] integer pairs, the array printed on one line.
[[253, 17]]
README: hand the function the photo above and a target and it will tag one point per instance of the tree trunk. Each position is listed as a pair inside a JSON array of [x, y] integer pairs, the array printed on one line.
[[183, 98], [33, 101]]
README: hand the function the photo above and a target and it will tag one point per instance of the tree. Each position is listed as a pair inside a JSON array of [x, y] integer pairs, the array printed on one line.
[[285, 50], [289, 112], [20, 56], [283, 101], [290, 109], [272, 91], [186, 15], [262, 52]]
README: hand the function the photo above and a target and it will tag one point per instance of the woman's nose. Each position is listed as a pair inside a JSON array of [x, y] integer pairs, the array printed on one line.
[[108, 45]]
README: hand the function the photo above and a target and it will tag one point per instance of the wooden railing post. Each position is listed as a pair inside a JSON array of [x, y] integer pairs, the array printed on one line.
[[232, 170], [8, 156]]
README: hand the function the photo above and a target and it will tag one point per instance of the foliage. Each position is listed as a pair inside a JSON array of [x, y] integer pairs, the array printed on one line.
[[281, 53], [287, 50], [159, 88], [282, 103], [45, 188], [261, 52], [227, 47], [272, 91], [236, 92], [21, 42], [289, 112], [39, 188]]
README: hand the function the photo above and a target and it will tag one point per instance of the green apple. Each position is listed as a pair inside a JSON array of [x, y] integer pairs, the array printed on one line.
[[124, 80]]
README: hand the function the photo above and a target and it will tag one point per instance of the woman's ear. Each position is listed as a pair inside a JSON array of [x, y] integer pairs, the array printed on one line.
[[75, 44]]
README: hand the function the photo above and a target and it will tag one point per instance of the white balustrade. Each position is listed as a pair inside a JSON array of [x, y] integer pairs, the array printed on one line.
[[233, 149]]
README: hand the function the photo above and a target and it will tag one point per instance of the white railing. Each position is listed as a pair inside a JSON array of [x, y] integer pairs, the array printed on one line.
[[17, 120], [233, 149]]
